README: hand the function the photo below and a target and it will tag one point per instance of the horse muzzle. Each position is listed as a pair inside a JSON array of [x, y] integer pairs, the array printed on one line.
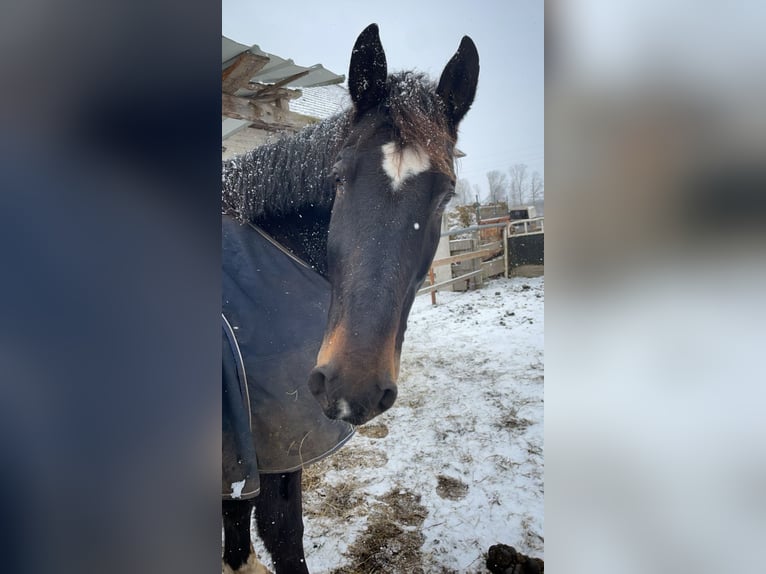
[[354, 399]]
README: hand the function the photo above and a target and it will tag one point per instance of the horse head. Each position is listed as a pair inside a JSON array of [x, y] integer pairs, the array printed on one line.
[[394, 175]]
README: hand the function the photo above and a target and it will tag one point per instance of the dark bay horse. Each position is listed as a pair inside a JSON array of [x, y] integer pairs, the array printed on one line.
[[359, 198]]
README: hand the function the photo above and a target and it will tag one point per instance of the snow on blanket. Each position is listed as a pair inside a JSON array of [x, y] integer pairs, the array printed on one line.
[[457, 464]]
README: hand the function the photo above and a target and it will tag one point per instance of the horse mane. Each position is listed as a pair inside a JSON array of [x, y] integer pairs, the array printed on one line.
[[284, 175], [293, 171]]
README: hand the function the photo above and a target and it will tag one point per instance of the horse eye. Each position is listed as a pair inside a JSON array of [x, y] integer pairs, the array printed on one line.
[[336, 172], [446, 199]]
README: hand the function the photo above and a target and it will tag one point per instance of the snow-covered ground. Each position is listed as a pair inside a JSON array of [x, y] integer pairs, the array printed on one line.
[[457, 464]]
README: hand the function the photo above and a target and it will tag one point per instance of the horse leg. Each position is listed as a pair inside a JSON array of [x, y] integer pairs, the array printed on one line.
[[238, 554], [279, 516]]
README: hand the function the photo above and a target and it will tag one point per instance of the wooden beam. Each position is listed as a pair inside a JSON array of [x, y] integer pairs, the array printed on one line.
[[239, 108], [272, 96], [486, 251], [272, 87], [241, 71], [274, 126], [248, 110]]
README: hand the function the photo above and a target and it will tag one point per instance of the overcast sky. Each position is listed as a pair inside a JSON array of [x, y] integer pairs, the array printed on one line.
[[505, 124]]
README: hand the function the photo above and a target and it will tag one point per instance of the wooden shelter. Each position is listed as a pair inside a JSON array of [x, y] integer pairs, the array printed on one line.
[[256, 91]]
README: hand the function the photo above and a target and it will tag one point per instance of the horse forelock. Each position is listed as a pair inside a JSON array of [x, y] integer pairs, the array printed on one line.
[[419, 119]]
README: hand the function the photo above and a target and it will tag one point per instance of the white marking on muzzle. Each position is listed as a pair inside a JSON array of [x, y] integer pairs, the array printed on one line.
[[403, 163], [343, 408]]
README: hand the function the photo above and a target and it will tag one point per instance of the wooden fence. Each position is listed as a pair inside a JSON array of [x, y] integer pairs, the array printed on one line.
[[488, 268]]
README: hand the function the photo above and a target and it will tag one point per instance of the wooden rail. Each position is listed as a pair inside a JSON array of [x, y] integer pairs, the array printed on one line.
[[537, 222], [441, 284], [485, 251]]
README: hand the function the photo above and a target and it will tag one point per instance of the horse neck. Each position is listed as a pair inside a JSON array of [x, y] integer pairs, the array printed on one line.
[[286, 188], [303, 233]]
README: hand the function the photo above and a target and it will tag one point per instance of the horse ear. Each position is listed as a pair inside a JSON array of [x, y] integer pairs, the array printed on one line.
[[457, 86], [367, 72]]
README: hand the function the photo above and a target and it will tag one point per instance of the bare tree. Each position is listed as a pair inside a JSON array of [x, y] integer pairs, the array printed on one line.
[[536, 188], [518, 185], [463, 193], [498, 186]]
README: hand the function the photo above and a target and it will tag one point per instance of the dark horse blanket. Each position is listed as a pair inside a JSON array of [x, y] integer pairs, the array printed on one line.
[[274, 316]]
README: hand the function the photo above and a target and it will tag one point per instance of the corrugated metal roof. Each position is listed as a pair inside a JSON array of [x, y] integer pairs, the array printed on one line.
[[279, 68]]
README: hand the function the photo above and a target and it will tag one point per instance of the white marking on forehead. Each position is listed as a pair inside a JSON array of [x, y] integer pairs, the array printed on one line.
[[403, 163]]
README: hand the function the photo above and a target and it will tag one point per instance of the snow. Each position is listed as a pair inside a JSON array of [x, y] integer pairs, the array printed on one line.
[[462, 448], [236, 488]]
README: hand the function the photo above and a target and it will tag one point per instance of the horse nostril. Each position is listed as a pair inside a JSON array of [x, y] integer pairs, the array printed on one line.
[[317, 383], [388, 398]]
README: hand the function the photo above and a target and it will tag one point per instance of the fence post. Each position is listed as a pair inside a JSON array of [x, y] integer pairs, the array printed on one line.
[[432, 278], [505, 249]]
